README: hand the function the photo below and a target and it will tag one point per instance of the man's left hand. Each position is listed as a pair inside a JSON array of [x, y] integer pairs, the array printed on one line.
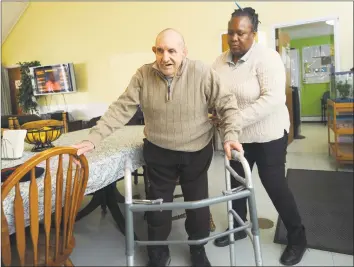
[[232, 145]]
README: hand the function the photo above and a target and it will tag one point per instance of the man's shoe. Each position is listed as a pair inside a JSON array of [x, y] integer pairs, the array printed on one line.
[[159, 258], [292, 254], [225, 240], [199, 257]]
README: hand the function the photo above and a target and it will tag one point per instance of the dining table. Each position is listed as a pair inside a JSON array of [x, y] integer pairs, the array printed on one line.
[[106, 166]]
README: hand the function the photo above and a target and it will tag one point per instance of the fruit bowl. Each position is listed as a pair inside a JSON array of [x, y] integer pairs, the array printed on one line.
[[42, 138]]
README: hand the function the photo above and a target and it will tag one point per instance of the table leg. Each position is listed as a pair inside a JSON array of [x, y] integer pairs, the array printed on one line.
[[115, 192], [108, 196], [112, 204], [97, 199]]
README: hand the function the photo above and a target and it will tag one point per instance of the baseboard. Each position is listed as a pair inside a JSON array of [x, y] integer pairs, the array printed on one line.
[[311, 119]]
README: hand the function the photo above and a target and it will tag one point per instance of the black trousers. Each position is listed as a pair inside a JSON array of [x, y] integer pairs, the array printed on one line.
[[164, 167], [270, 158]]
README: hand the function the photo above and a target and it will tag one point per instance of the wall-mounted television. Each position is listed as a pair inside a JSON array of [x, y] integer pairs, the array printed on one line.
[[53, 79]]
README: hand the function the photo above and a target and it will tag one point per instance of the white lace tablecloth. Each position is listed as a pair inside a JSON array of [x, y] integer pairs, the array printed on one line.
[[106, 165]]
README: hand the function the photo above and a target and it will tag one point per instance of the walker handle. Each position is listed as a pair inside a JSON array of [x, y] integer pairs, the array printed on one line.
[[235, 155]]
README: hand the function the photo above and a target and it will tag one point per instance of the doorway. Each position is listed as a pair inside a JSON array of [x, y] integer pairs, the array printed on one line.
[[15, 82], [314, 53]]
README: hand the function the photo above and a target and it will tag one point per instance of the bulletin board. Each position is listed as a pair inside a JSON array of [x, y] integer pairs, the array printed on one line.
[[316, 62]]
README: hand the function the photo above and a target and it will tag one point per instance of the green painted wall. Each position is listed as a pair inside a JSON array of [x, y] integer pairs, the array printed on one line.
[[311, 93]]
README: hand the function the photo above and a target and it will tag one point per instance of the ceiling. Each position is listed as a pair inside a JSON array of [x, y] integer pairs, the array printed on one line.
[[10, 14], [309, 30]]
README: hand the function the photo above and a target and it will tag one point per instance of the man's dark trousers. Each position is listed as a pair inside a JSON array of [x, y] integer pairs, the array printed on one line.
[[164, 168]]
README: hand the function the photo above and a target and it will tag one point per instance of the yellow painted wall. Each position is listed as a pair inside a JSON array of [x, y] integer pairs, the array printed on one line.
[[107, 41]]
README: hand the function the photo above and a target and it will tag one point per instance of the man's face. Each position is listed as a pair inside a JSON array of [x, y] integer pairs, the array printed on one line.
[[170, 52], [240, 35]]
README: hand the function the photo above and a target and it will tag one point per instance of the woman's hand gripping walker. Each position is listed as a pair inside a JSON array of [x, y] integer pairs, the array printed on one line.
[[246, 186]]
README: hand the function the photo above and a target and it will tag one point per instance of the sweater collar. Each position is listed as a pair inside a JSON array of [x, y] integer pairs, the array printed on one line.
[[244, 58]]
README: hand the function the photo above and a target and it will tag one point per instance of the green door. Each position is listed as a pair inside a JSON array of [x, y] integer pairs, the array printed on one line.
[[311, 95]]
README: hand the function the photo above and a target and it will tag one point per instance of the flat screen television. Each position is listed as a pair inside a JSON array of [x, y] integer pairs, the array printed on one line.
[[53, 79]]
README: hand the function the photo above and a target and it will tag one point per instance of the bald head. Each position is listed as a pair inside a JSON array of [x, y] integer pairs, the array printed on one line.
[[171, 35], [170, 50]]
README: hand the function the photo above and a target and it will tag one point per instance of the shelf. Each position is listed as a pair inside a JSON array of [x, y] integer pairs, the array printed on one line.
[[340, 121], [341, 106], [341, 130], [344, 152]]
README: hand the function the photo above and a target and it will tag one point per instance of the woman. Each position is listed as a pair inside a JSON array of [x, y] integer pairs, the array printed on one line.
[[256, 75]]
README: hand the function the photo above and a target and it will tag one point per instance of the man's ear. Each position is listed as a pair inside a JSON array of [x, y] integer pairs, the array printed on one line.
[[185, 51], [154, 49]]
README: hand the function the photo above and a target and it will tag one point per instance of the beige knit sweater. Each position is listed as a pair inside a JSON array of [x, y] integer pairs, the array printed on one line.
[[176, 117], [258, 82]]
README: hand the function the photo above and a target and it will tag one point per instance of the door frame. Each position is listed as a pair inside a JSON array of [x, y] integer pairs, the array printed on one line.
[[308, 21], [298, 63], [220, 42], [13, 91]]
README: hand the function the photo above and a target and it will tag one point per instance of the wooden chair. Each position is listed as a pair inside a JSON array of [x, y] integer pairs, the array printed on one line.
[[14, 123], [44, 243]]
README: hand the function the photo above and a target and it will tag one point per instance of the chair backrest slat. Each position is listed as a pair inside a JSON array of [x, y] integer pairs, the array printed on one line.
[[33, 198], [69, 176], [5, 240], [80, 193], [20, 225], [58, 205], [47, 209], [72, 215]]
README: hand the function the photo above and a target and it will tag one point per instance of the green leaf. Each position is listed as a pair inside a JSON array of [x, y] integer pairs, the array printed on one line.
[[25, 97]]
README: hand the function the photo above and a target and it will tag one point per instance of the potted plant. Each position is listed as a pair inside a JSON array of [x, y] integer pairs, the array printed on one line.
[[26, 99], [343, 89]]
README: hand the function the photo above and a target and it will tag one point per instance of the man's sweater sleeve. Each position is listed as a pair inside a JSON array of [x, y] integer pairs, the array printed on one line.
[[272, 80], [119, 112], [225, 104]]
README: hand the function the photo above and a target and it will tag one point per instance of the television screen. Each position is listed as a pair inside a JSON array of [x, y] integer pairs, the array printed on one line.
[[53, 79]]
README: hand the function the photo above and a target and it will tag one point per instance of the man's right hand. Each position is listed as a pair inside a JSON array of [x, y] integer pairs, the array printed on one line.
[[84, 147]]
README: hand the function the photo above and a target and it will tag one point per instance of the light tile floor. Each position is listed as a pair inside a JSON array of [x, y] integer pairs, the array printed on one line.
[[98, 241]]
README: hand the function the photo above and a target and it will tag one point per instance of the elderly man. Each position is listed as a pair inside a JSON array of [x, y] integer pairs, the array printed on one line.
[[175, 94]]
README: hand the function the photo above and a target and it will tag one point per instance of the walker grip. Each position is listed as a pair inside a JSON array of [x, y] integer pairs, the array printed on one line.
[[235, 155]]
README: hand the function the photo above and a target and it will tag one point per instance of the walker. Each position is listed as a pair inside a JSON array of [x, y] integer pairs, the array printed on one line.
[[244, 191]]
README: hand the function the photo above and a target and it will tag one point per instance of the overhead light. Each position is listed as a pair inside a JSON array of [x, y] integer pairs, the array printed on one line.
[[330, 22]]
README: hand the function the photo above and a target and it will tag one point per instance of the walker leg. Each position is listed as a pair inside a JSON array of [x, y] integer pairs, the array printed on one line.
[[255, 228], [129, 223], [231, 236], [129, 235], [230, 216]]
